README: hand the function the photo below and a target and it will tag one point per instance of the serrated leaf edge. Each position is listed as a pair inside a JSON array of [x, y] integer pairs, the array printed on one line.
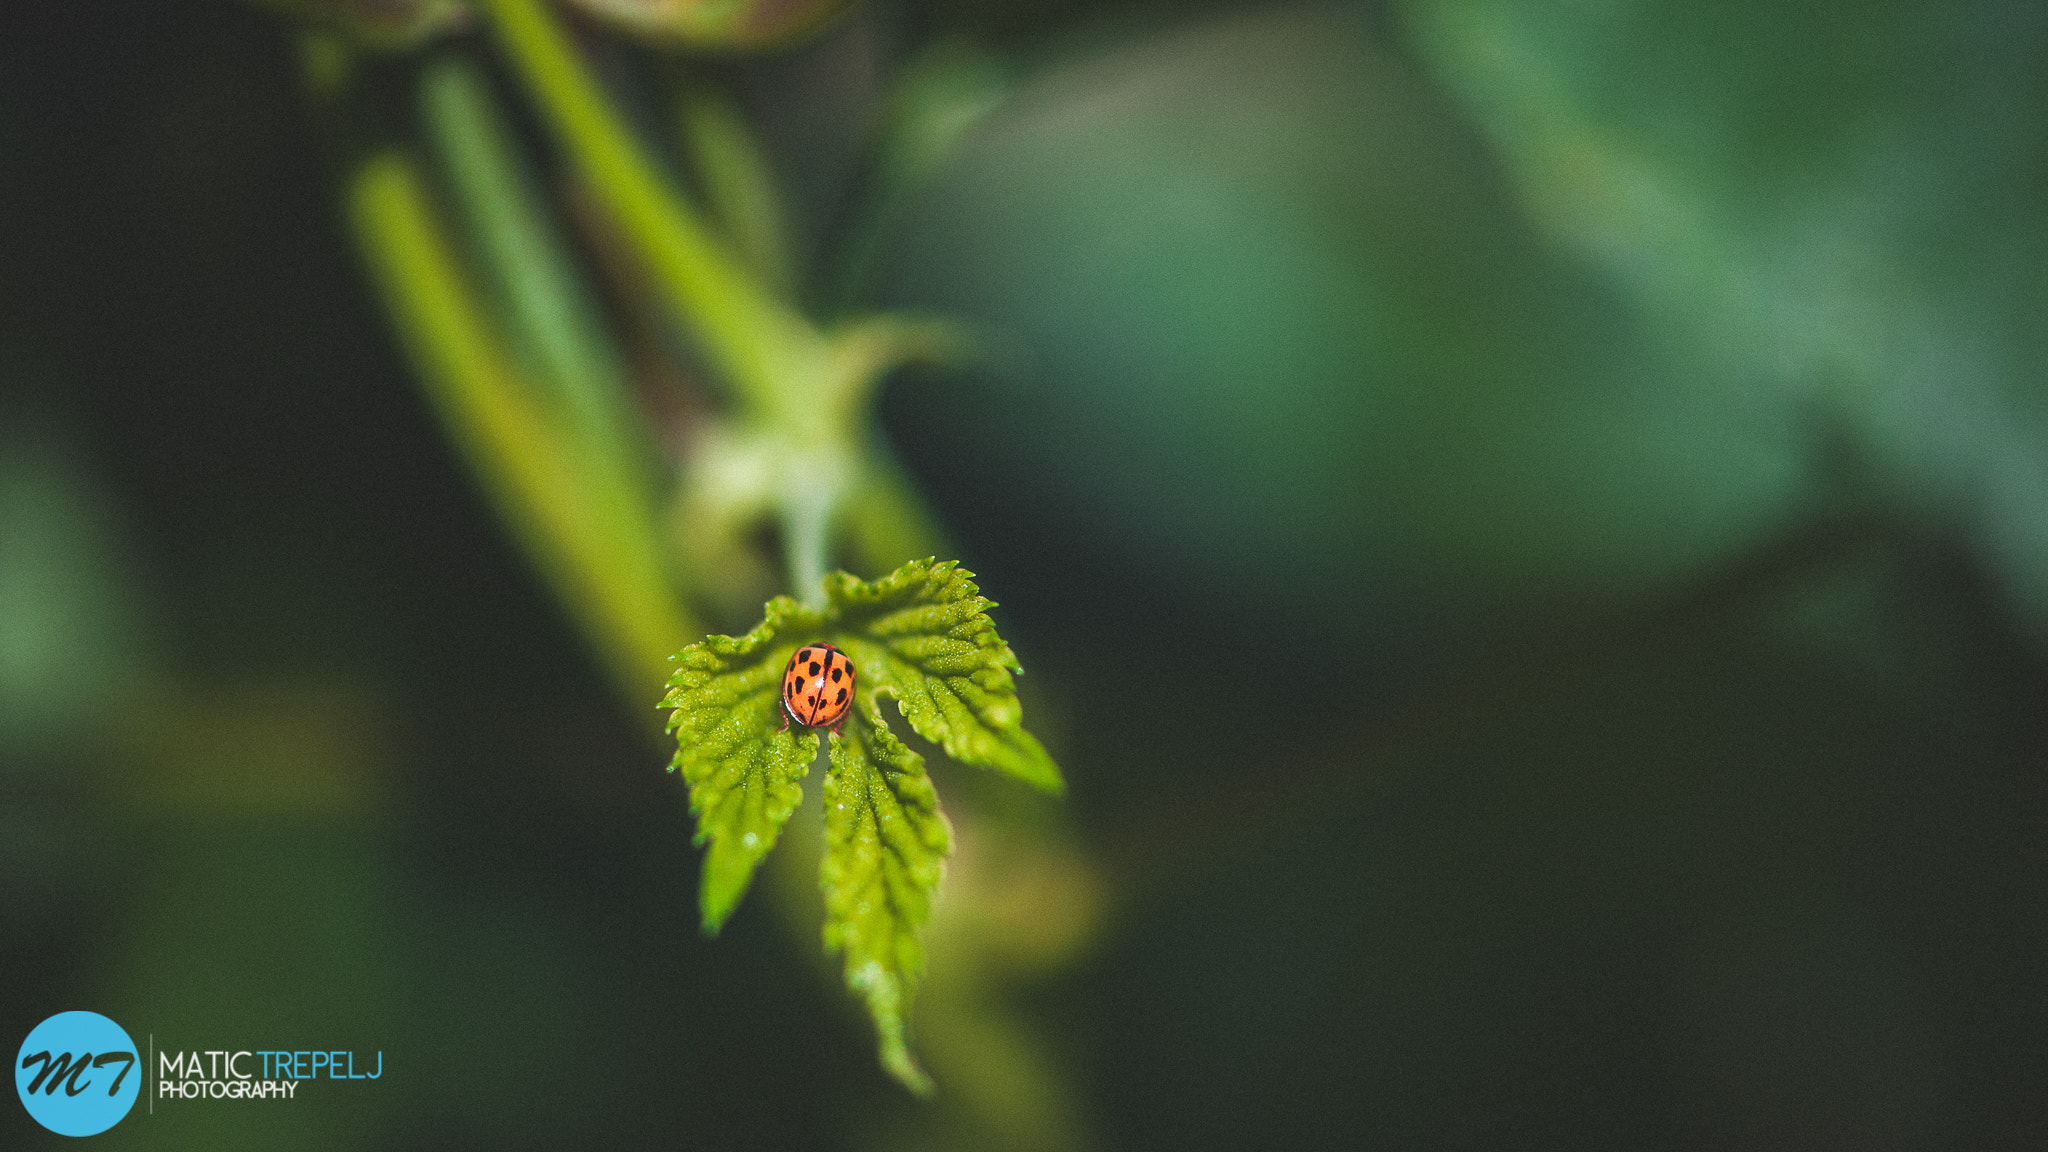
[[708, 731], [887, 994]]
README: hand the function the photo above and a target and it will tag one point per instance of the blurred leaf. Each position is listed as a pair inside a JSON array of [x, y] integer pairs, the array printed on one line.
[[885, 848], [940, 97], [1807, 199], [745, 777], [719, 24], [68, 623], [936, 102], [390, 24], [1284, 343]]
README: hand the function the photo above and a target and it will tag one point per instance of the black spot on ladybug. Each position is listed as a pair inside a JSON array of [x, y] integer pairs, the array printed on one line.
[[814, 667], [789, 688], [835, 675], [841, 698]]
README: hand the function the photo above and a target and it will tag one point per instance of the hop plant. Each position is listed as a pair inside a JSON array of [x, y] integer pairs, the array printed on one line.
[[922, 638]]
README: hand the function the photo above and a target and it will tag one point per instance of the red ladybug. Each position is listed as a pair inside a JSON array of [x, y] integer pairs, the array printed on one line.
[[817, 688]]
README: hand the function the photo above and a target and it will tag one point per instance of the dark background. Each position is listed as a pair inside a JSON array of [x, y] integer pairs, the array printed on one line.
[[1531, 724]]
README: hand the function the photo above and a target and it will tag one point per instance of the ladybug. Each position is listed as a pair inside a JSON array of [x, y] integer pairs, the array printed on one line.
[[817, 688]]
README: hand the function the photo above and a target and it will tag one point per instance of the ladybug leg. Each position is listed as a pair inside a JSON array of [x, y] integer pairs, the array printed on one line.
[[785, 719]]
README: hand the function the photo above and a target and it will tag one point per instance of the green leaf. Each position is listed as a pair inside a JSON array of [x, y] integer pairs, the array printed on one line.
[[886, 844], [745, 776], [922, 635]]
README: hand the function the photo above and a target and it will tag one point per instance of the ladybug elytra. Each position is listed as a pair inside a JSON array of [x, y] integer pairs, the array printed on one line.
[[817, 687]]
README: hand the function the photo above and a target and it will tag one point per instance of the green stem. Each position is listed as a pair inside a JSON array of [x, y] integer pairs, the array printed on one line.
[[756, 340], [738, 184], [807, 513], [550, 316], [866, 350], [606, 571], [813, 388]]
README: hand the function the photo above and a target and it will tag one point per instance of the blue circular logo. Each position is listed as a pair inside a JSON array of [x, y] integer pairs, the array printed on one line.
[[78, 1073]]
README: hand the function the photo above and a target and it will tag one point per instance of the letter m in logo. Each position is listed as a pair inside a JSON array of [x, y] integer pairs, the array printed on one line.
[[64, 1068], [57, 1071]]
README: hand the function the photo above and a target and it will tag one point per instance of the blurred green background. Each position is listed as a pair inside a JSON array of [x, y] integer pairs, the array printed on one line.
[[1527, 525]]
